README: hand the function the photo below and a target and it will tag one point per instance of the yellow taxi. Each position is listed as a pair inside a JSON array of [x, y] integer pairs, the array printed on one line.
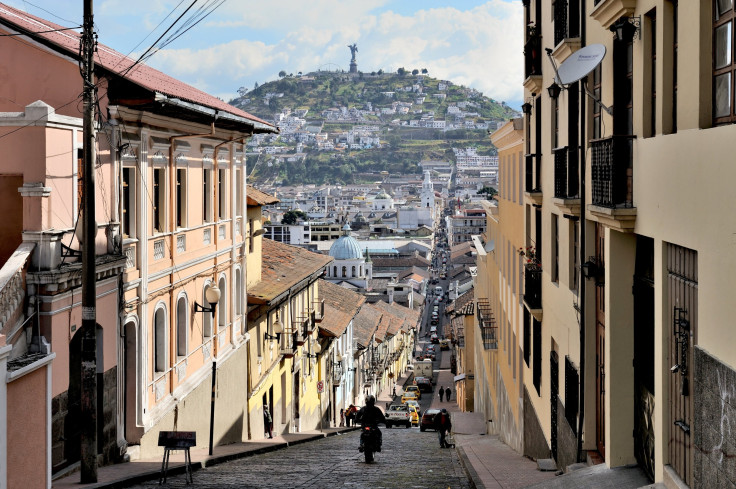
[[408, 396], [415, 389], [413, 415]]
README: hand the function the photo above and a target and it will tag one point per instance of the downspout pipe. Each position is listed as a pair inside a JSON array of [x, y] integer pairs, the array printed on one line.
[[581, 260]]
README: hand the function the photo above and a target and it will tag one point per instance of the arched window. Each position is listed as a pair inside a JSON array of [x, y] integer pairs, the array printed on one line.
[[222, 311], [353, 271], [206, 317], [334, 271], [344, 271], [181, 327], [159, 340], [361, 270]]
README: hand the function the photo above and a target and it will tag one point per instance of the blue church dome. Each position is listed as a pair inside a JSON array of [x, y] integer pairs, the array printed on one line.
[[346, 247]]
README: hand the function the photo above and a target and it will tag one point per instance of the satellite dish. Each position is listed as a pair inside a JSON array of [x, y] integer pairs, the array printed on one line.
[[580, 63]]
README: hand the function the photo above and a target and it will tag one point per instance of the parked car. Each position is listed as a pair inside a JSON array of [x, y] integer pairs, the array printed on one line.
[[427, 421]]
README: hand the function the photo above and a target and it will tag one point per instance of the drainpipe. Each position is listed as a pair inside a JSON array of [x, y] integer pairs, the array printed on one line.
[[581, 279]]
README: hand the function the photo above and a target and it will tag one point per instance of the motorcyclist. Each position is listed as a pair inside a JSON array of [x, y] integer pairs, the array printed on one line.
[[370, 415]]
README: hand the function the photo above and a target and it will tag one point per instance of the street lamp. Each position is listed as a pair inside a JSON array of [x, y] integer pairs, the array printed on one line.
[[212, 296], [277, 330], [317, 349]]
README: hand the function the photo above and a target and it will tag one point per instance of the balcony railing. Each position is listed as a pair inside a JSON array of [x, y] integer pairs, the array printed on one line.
[[533, 286], [612, 172], [319, 311], [567, 20], [533, 177], [533, 54], [487, 323], [566, 173]]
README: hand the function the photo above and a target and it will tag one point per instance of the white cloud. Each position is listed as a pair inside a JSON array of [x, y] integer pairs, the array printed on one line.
[[481, 47]]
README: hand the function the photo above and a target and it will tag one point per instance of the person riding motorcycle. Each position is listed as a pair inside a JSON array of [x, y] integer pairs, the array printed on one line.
[[370, 415]]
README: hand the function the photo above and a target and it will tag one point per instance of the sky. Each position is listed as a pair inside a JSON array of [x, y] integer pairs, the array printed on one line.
[[477, 43]]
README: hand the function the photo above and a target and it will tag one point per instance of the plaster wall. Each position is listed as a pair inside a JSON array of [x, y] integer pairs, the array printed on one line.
[[27, 433]]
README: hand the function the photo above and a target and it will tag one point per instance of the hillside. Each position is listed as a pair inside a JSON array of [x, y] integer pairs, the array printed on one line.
[[336, 127]]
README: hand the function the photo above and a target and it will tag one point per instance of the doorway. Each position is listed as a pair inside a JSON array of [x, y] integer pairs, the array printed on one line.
[[600, 343]]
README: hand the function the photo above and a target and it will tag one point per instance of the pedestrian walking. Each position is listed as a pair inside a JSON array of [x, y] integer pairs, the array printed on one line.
[[350, 415], [442, 392], [443, 425], [267, 421], [448, 394], [342, 417]]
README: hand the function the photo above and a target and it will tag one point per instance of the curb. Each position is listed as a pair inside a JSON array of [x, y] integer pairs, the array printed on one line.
[[475, 481]]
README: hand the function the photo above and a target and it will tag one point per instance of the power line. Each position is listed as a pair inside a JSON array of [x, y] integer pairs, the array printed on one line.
[[41, 32], [47, 11]]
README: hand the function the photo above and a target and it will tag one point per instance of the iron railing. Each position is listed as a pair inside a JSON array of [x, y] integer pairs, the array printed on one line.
[[566, 17], [487, 323], [567, 183], [612, 172], [533, 286]]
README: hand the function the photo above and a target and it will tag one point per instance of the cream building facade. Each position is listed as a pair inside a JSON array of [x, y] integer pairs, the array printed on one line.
[[632, 298]]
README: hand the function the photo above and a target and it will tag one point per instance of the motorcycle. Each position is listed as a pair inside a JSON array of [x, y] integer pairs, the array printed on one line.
[[369, 443]]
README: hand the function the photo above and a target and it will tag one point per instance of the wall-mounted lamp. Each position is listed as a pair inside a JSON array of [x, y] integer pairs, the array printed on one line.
[[338, 358], [277, 330], [258, 232], [526, 108], [554, 90], [627, 28], [212, 294], [317, 349], [590, 269]]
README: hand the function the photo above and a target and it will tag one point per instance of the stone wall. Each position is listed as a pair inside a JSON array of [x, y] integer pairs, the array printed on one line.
[[567, 442], [535, 443], [508, 429], [714, 422]]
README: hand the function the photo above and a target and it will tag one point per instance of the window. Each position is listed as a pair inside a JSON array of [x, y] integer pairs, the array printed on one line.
[[251, 238], [555, 272], [574, 255], [527, 335], [723, 62], [353, 271], [207, 193], [181, 198], [221, 194], [181, 327], [222, 310], [572, 379], [555, 122], [238, 192], [623, 89], [206, 317], [334, 271], [652, 21], [537, 353], [159, 340], [675, 26], [596, 106], [344, 271], [129, 201], [159, 202]]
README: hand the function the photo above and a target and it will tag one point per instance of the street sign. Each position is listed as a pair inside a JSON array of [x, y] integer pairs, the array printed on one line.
[[320, 386]]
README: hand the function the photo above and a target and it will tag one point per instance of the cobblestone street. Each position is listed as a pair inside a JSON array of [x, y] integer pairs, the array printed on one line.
[[410, 459]]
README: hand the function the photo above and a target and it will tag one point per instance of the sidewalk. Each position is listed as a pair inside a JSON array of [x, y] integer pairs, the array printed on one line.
[[131, 473]]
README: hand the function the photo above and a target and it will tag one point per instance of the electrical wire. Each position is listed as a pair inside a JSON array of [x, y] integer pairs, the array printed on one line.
[[41, 32], [26, 2]]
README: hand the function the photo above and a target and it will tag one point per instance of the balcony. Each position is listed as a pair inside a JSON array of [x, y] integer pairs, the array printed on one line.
[[567, 181], [533, 179], [566, 17], [319, 313], [606, 12], [533, 289], [287, 344], [612, 175], [533, 61], [487, 324], [301, 332]]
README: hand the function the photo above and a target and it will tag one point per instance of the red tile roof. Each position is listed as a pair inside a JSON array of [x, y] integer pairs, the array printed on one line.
[[365, 324], [341, 305], [115, 62], [257, 198], [279, 270]]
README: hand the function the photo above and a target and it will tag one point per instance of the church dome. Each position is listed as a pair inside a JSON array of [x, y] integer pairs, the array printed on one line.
[[346, 247], [383, 196]]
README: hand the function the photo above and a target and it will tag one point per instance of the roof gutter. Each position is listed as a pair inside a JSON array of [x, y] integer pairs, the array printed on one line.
[[258, 127]]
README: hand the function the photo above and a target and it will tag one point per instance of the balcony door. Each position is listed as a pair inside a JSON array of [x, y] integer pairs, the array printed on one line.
[[600, 346]]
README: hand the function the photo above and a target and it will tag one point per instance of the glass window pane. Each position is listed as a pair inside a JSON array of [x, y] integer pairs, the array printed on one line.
[[723, 45], [723, 95], [723, 6]]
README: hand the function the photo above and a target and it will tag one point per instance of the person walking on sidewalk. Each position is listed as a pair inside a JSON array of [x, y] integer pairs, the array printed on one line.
[[443, 425], [442, 392], [267, 421], [448, 394], [342, 417]]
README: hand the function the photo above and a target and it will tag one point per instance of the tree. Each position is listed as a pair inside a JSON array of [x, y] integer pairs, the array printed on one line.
[[488, 191], [380, 72], [415, 71], [282, 74], [255, 86], [242, 91], [401, 71], [424, 71], [292, 217]]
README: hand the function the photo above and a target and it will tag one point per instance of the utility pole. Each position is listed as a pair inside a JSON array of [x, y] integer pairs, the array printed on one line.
[[88, 449]]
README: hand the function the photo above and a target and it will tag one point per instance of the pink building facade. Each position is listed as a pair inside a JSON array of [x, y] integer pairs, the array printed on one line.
[[171, 218]]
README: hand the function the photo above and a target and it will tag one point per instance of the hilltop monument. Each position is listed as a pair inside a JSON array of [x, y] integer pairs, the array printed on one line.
[[353, 64]]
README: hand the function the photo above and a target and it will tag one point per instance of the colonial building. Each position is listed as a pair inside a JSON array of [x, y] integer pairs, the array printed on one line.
[[626, 297]]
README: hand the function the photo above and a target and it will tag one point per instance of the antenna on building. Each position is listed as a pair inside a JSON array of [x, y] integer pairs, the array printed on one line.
[[577, 66]]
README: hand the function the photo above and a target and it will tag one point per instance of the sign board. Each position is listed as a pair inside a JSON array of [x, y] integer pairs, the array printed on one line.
[[320, 386], [177, 439]]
